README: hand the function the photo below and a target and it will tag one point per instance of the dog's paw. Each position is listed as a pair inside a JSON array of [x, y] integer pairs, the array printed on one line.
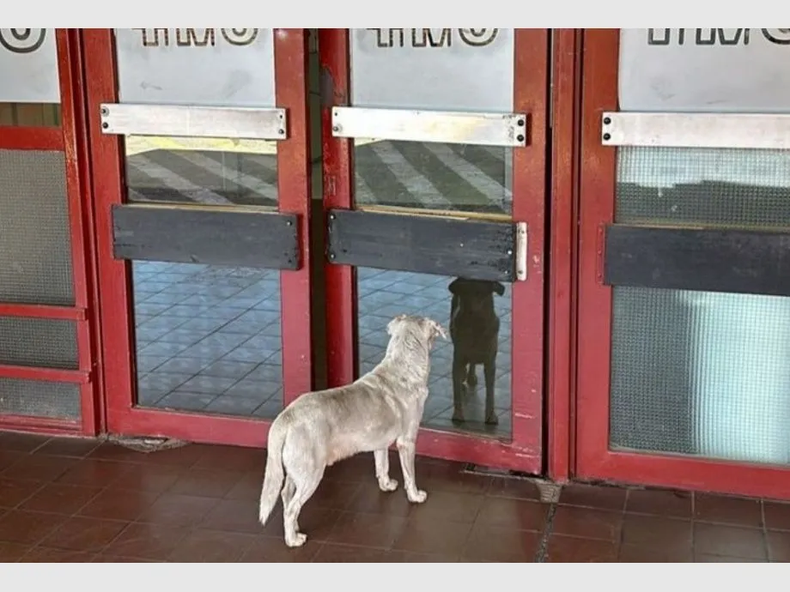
[[471, 380], [458, 416], [388, 484], [419, 497], [492, 419], [297, 540]]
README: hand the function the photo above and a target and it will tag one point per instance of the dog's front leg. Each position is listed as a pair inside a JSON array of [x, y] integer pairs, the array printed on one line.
[[489, 369], [382, 459], [406, 454]]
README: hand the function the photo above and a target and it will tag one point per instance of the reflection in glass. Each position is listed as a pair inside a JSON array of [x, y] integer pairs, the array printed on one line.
[[30, 114], [455, 177], [208, 338], [702, 373], [205, 171], [385, 294]]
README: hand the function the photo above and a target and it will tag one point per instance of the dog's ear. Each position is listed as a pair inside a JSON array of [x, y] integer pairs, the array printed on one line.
[[394, 323], [499, 288], [436, 329], [454, 286]]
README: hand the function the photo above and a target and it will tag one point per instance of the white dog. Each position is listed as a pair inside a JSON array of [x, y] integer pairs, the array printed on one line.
[[320, 428]]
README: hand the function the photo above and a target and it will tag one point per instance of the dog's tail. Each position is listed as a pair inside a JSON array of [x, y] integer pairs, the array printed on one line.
[[273, 478]]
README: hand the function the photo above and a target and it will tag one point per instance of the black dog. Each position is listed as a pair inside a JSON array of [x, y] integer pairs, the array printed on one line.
[[474, 329]]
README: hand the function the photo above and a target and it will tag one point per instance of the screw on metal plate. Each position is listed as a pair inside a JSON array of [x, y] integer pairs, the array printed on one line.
[[280, 116], [520, 123], [104, 110], [331, 255], [331, 216], [105, 125], [289, 223], [607, 136], [510, 251], [607, 120], [335, 128], [281, 131], [520, 138]]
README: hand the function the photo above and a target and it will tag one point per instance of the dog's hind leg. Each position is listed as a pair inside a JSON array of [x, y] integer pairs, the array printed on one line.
[[489, 369], [287, 493], [382, 460], [459, 368], [305, 483], [471, 376]]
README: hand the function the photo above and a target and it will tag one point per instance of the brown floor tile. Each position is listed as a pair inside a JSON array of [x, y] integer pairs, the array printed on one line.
[[206, 482], [8, 458], [587, 523], [333, 553], [15, 491], [232, 458], [565, 549], [18, 526], [39, 468], [657, 531], [661, 502], [84, 534], [21, 442], [443, 537], [778, 546], [104, 558], [408, 557], [145, 477], [234, 516], [208, 546], [369, 498], [728, 510], [94, 473], [497, 544], [716, 539], [178, 510], [60, 498], [453, 506], [48, 555], [654, 554], [516, 514], [449, 476], [10, 552], [247, 488], [115, 452], [270, 549], [367, 530], [71, 447], [705, 558], [335, 495], [593, 496], [146, 541], [515, 488], [777, 515], [119, 504]]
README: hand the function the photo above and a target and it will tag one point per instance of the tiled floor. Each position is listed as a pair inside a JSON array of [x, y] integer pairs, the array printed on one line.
[[76, 500], [209, 339]]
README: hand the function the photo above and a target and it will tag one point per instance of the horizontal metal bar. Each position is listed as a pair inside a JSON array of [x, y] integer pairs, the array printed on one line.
[[40, 311], [701, 259], [451, 127], [47, 374], [440, 245], [189, 121], [696, 130]]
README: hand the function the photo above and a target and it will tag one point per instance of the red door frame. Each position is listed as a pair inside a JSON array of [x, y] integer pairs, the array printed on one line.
[[593, 457], [69, 138], [524, 453], [293, 183]]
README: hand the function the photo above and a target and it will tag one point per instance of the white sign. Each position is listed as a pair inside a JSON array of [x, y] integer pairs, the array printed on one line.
[[705, 70], [440, 69], [207, 67], [29, 66]]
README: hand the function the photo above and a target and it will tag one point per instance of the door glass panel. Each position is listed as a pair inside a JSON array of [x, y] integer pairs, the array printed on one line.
[[702, 373], [208, 338], [434, 176], [385, 294], [205, 171]]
